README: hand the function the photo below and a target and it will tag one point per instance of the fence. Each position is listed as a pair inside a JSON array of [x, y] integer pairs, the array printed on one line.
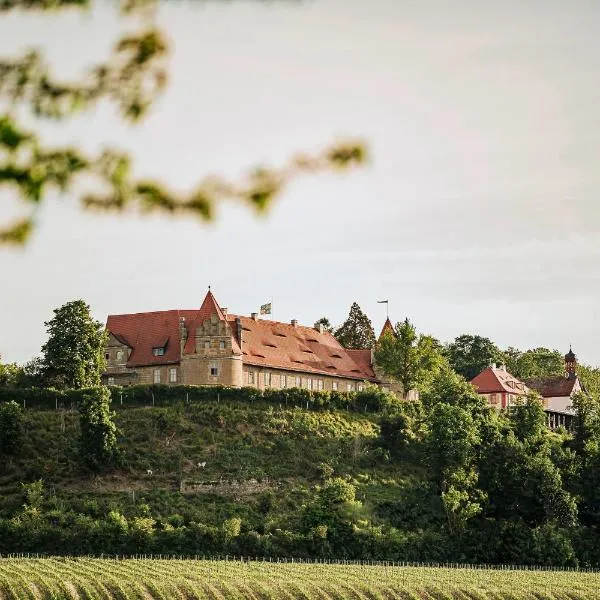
[[308, 561]]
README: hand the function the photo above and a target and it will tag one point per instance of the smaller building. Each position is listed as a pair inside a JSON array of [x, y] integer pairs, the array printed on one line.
[[557, 392], [499, 387]]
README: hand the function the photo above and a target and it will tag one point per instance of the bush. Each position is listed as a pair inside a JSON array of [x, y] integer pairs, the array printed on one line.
[[11, 428]]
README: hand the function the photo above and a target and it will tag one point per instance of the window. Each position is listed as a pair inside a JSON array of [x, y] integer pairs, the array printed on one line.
[[284, 381], [267, 379], [214, 368], [206, 345], [158, 351], [309, 384], [173, 375], [222, 345], [350, 387], [111, 381], [334, 385], [360, 387], [107, 356], [251, 377], [156, 375], [298, 382], [320, 384], [119, 354]]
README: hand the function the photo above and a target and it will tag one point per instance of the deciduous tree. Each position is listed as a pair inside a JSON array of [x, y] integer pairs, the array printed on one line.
[[74, 352], [408, 357], [470, 354]]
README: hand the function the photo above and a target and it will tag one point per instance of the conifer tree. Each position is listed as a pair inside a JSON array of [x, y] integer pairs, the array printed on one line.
[[357, 331]]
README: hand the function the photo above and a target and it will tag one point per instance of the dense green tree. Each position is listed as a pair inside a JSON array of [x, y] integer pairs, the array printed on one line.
[[326, 323], [470, 354], [539, 362], [132, 77], [408, 357], [11, 428], [74, 352], [590, 378], [357, 330], [10, 374], [98, 432]]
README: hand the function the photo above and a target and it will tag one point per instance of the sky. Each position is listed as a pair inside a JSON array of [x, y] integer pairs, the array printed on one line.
[[477, 212]]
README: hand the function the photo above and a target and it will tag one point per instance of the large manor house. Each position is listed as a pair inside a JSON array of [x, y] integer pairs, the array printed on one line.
[[209, 346]]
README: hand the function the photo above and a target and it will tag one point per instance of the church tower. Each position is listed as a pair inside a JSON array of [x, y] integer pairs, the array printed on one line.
[[570, 364]]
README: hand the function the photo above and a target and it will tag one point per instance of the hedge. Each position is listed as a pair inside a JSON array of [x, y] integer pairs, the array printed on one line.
[[372, 399]]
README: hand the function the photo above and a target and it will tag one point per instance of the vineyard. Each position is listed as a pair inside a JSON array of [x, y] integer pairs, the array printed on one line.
[[88, 578]]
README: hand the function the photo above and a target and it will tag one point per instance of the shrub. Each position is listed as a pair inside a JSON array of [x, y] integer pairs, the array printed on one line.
[[11, 428]]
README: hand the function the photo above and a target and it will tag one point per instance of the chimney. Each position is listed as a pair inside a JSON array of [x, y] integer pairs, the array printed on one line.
[[493, 365], [295, 322], [182, 334], [254, 316], [503, 367], [321, 328], [238, 326], [224, 311]]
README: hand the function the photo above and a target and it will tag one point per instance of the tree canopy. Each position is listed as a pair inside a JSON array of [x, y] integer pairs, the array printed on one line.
[[469, 354], [74, 353], [357, 330], [408, 357], [131, 78]]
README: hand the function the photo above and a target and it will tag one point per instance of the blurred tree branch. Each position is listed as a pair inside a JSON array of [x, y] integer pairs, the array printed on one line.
[[131, 78]]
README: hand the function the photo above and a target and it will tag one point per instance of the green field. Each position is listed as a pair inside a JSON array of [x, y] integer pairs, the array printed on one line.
[[59, 578]]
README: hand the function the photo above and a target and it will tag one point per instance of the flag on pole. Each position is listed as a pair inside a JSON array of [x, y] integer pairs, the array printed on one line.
[[382, 301], [265, 309]]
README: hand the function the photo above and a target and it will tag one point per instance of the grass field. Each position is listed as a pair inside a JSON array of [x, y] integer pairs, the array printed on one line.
[[59, 578]]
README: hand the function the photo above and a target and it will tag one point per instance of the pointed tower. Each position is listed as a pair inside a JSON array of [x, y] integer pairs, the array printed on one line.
[[570, 364], [212, 354], [387, 327]]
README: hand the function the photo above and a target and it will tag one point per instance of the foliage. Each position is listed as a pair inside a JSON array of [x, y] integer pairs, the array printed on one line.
[[98, 437], [74, 352], [470, 354], [538, 362], [357, 331], [132, 77], [325, 323], [407, 357], [11, 428]]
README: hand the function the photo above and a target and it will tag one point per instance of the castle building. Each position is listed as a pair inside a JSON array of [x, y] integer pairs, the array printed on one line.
[[208, 346]]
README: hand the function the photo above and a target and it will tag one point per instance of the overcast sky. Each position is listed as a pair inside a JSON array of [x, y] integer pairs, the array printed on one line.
[[478, 212]]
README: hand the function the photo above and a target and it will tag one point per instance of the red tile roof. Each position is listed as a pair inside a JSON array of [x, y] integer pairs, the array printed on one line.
[[144, 331], [557, 386], [265, 343], [493, 380]]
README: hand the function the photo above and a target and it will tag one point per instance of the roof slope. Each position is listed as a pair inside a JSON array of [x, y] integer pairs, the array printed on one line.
[[267, 343], [555, 386], [493, 380], [144, 331], [387, 327]]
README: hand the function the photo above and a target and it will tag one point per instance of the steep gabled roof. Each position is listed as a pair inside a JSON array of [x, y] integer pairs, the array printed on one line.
[[558, 386], [209, 307], [494, 380], [277, 345]]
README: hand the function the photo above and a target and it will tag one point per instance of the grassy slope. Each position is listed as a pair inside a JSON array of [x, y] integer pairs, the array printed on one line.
[[292, 449], [145, 580]]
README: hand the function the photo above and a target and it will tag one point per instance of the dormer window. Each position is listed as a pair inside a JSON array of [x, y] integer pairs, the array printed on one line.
[[160, 351]]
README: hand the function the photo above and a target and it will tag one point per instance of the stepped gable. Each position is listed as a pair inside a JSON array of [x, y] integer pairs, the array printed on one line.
[[209, 307], [267, 343], [144, 331], [493, 380], [549, 387]]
